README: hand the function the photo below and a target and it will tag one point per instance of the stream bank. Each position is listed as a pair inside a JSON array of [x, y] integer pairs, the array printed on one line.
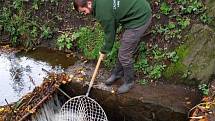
[[152, 102]]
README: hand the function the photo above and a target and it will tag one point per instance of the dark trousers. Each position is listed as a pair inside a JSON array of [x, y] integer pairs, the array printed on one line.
[[129, 44]]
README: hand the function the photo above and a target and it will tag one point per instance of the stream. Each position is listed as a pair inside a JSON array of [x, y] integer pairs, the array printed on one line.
[[21, 72]]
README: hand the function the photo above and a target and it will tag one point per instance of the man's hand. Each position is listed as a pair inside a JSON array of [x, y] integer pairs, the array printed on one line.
[[102, 55]]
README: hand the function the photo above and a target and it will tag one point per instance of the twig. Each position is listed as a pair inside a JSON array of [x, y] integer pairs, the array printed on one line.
[[30, 100], [31, 79], [192, 109], [198, 117], [45, 71], [35, 107], [57, 87], [20, 105], [198, 105], [10, 109], [8, 105], [63, 92]]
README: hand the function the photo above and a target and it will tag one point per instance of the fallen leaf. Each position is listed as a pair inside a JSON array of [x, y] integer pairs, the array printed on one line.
[[1, 109]]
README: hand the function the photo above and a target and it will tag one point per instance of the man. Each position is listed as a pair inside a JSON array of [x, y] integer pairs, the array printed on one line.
[[135, 17]]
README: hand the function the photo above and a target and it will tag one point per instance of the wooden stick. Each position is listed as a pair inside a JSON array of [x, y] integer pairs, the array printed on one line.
[[45, 71], [198, 117], [35, 107], [57, 87], [10, 109], [32, 81], [63, 92], [95, 73], [8, 105]]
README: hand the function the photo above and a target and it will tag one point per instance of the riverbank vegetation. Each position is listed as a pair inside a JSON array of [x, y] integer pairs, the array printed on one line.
[[29, 23]]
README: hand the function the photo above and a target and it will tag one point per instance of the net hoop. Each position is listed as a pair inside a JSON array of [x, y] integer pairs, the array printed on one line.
[[82, 108]]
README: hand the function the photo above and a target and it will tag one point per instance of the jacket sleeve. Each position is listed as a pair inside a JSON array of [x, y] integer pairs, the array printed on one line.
[[109, 27]]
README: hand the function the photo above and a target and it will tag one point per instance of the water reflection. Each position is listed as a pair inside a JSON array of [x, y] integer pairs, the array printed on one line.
[[16, 73], [21, 72], [19, 75]]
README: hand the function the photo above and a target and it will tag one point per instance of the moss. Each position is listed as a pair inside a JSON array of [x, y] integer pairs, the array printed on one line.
[[178, 67], [182, 51]]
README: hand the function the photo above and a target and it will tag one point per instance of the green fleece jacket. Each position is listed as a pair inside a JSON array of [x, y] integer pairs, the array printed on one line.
[[111, 13]]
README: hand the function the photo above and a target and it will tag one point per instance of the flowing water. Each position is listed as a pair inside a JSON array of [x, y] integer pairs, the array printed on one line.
[[21, 72], [49, 110]]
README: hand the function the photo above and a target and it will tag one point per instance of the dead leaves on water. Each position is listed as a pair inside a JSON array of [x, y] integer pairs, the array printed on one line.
[[27, 103], [8, 49]]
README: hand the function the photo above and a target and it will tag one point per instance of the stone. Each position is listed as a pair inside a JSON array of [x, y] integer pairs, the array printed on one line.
[[210, 4], [201, 56], [211, 7]]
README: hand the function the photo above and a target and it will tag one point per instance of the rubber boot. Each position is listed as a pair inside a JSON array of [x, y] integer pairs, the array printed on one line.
[[128, 80], [116, 74]]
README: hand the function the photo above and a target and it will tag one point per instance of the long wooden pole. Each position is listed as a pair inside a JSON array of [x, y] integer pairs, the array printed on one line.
[[95, 73]]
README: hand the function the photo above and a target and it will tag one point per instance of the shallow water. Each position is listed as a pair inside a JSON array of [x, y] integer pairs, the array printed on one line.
[[20, 73]]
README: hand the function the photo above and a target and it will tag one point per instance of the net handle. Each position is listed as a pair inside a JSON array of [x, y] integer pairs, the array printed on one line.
[[95, 73]]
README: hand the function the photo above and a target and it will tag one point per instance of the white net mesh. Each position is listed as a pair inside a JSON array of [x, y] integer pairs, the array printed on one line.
[[82, 108]]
